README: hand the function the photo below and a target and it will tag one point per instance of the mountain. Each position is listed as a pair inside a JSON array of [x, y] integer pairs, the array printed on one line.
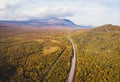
[[44, 22]]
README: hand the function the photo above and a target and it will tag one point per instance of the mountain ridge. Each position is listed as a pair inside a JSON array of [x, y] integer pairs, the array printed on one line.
[[45, 22]]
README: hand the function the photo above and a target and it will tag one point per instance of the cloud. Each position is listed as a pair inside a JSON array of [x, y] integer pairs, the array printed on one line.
[[8, 9], [45, 12], [37, 12], [8, 4], [80, 11]]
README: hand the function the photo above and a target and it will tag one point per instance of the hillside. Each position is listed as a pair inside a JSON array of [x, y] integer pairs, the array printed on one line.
[[98, 54], [106, 28]]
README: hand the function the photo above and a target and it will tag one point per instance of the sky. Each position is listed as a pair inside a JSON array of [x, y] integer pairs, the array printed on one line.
[[82, 12]]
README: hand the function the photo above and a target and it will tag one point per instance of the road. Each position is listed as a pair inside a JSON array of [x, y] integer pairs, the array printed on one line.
[[73, 63]]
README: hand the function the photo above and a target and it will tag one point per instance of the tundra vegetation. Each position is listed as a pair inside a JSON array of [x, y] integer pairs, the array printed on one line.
[[44, 55], [34, 54], [98, 54]]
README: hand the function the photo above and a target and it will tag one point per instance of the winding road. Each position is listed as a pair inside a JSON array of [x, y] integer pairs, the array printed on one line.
[[73, 63]]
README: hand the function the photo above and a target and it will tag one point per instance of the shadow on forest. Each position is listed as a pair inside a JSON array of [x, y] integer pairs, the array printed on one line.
[[6, 72]]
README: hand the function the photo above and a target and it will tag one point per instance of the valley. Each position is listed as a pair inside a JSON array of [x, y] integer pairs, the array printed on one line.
[[30, 54]]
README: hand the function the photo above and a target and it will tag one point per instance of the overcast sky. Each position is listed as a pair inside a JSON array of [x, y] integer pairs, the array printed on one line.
[[83, 12]]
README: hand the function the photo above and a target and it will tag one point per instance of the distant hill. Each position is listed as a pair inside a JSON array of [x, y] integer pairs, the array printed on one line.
[[45, 22], [107, 28]]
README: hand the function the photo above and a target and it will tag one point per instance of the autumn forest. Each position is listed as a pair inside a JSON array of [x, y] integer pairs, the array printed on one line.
[[44, 54]]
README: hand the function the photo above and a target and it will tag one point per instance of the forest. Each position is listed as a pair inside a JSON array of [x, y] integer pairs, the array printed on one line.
[[34, 55], [98, 54], [44, 54]]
